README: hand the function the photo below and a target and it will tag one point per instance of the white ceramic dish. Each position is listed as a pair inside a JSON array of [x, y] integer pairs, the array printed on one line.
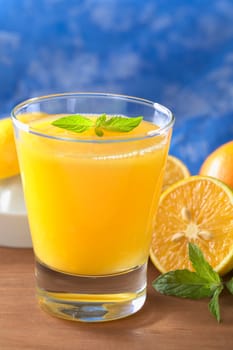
[[14, 228]]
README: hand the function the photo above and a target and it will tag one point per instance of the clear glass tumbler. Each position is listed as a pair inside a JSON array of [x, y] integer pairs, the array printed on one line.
[[91, 201]]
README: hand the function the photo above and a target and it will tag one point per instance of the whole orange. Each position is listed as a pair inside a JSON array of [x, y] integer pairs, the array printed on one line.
[[219, 164]]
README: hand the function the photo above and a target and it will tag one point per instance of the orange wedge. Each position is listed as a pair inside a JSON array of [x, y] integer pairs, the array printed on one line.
[[198, 209], [175, 170]]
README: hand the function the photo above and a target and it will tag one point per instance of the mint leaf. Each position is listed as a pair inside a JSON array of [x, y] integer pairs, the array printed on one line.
[[76, 123], [214, 303], [120, 124], [184, 284], [202, 267], [100, 120], [229, 285]]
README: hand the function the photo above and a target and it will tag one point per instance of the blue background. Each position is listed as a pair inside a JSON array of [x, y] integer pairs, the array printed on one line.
[[175, 52]]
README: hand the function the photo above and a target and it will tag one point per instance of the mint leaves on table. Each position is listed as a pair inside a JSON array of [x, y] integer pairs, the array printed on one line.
[[79, 123], [203, 282], [229, 285], [214, 303]]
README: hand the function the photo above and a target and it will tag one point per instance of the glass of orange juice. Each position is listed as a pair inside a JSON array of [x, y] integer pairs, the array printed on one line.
[[91, 193]]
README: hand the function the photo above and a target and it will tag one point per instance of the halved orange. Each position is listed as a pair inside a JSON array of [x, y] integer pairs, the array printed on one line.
[[198, 209], [175, 170], [8, 158], [9, 165]]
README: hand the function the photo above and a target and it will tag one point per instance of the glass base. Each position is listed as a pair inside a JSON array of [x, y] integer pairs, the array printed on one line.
[[91, 298]]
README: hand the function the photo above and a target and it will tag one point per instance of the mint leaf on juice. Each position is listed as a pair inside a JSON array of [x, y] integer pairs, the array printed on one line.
[[78, 123], [100, 120], [120, 124]]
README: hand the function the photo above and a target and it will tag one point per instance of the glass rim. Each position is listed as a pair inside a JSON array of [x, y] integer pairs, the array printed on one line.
[[154, 133]]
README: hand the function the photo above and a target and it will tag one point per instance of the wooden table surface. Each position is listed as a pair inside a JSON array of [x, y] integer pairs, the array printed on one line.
[[163, 323]]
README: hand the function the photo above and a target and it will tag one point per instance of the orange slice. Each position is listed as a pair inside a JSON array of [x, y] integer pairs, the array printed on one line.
[[198, 209], [175, 170]]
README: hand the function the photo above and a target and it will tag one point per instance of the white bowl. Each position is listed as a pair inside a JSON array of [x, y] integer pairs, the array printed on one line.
[[14, 228]]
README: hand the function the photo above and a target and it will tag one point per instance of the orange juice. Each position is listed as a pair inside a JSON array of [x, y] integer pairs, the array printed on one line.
[[91, 204], [91, 199]]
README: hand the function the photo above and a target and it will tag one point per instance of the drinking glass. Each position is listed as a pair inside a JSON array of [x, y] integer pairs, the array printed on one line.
[[91, 201]]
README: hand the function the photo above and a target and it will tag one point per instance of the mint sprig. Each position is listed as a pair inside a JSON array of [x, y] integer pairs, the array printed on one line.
[[79, 123], [203, 282]]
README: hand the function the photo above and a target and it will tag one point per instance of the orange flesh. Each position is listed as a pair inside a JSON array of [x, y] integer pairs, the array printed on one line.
[[175, 171], [211, 211]]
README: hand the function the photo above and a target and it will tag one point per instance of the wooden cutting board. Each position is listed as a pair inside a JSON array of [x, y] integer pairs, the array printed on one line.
[[163, 323]]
